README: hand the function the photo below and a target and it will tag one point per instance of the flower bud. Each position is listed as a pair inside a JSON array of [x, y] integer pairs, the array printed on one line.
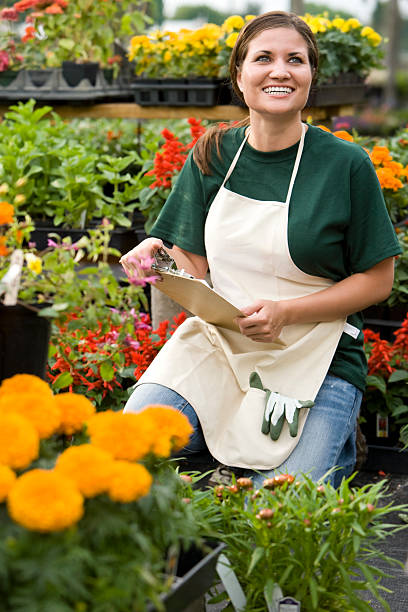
[[265, 514], [245, 483], [186, 478], [370, 507], [218, 490], [20, 198], [21, 182], [4, 188], [233, 489], [186, 500]]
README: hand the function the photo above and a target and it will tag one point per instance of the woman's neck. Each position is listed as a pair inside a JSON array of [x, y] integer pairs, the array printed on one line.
[[274, 135]]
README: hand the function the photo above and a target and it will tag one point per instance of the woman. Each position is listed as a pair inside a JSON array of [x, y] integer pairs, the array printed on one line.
[[291, 223]]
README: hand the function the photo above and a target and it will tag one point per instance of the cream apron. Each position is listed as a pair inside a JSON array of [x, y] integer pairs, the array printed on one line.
[[249, 259]]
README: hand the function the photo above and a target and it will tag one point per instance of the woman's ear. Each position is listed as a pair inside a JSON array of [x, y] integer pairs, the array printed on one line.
[[239, 81]]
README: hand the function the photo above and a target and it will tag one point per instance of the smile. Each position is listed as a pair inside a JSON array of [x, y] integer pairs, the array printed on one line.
[[278, 90]]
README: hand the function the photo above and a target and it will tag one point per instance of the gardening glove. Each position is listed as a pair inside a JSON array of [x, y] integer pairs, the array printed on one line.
[[277, 408]]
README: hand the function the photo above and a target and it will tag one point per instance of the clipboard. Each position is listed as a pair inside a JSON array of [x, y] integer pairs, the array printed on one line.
[[199, 298]]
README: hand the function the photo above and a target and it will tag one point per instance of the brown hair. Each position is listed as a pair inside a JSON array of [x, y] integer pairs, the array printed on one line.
[[268, 21]]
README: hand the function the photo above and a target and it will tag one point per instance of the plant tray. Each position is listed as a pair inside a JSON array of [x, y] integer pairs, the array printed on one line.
[[389, 459], [196, 573], [176, 92], [50, 85], [337, 94]]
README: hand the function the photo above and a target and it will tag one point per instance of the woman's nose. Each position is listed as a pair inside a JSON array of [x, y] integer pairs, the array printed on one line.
[[279, 70]]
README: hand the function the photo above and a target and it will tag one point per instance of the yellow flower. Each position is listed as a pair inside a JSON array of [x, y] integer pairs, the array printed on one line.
[[28, 382], [173, 428], [353, 23], [19, 441], [44, 500], [129, 482], [338, 23], [41, 410], [87, 466], [7, 479], [235, 22], [375, 39], [75, 410], [367, 31], [126, 436], [167, 57], [230, 41], [249, 17], [34, 263]]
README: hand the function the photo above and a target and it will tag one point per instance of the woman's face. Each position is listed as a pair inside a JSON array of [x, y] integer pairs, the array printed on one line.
[[276, 75]]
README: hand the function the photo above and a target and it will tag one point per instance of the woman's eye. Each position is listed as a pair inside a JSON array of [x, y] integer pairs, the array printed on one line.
[[263, 58], [296, 60]]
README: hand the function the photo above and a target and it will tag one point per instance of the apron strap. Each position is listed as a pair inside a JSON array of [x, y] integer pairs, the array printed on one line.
[[234, 161], [296, 166]]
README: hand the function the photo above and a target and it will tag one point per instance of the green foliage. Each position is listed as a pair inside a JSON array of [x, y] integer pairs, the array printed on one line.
[[118, 558], [318, 543], [50, 172]]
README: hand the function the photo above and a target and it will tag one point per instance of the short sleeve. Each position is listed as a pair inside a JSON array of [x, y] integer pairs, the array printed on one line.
[[182, 218], [371, 237]]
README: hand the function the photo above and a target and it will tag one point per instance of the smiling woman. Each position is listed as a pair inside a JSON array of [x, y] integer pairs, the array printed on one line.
[[291, 223]]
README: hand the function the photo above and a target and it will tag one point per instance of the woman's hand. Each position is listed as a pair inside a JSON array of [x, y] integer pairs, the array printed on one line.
[[137, 262], [263, 321]]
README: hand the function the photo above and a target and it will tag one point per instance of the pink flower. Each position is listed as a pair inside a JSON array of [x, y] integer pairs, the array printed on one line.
[[4, 60], [9, 13]]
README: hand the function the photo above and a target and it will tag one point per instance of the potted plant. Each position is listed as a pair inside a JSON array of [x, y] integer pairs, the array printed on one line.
[[106, 506], [10, 58], [315, 544], [42, 285], [384, 412]]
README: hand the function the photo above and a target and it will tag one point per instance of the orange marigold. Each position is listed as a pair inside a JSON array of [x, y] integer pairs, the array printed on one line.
[[88, 466], [173, 428], [19, 441], [344, 135], [3, 249], [379, 155], [126, 436], [129, 482], [75, 410], [388, 180], [26, 382], [42, 410], [7, 479], [45, 500], [6, 213], [395, 167], [324, 128]]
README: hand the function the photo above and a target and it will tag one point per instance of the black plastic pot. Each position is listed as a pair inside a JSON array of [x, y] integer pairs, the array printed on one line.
[[389, 459], [39, 77], [73, 72], [24, 339], [196, 573], [176, 92], [122, 239]]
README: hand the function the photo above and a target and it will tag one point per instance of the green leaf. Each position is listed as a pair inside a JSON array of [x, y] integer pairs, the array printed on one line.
[[398, 375], [62, 381], [107, 371], [358, 528], [66, 43], [313, 592], [256, 556], [378, 382]]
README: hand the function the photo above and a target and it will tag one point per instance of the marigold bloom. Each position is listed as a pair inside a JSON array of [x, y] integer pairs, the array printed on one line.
[[3, 249], [126, 436], [129, 482], [6, 213], [173, 428], [44, 500], [88, 467], [344, 135], [379, 155], [54, 9], [7, 479], [388, 180], [28, 382], [75, 410], [19, 441], [41, 410]]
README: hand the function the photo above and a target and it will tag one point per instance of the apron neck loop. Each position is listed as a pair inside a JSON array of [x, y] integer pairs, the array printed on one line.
[[234, 161], [297, 163]]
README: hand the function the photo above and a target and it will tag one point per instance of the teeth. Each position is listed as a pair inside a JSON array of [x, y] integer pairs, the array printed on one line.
[[272, 90]]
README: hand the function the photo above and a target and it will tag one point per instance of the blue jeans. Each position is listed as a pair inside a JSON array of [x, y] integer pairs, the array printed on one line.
[[328, 438]]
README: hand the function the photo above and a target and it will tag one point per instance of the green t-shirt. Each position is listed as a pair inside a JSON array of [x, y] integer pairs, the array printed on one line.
[[338, 222]]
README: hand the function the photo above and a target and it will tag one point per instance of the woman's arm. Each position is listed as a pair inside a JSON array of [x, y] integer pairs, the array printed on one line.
[[265, 318], [196, 265]]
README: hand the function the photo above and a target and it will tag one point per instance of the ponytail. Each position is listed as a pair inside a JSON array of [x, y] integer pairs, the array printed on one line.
[[203, 151]]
